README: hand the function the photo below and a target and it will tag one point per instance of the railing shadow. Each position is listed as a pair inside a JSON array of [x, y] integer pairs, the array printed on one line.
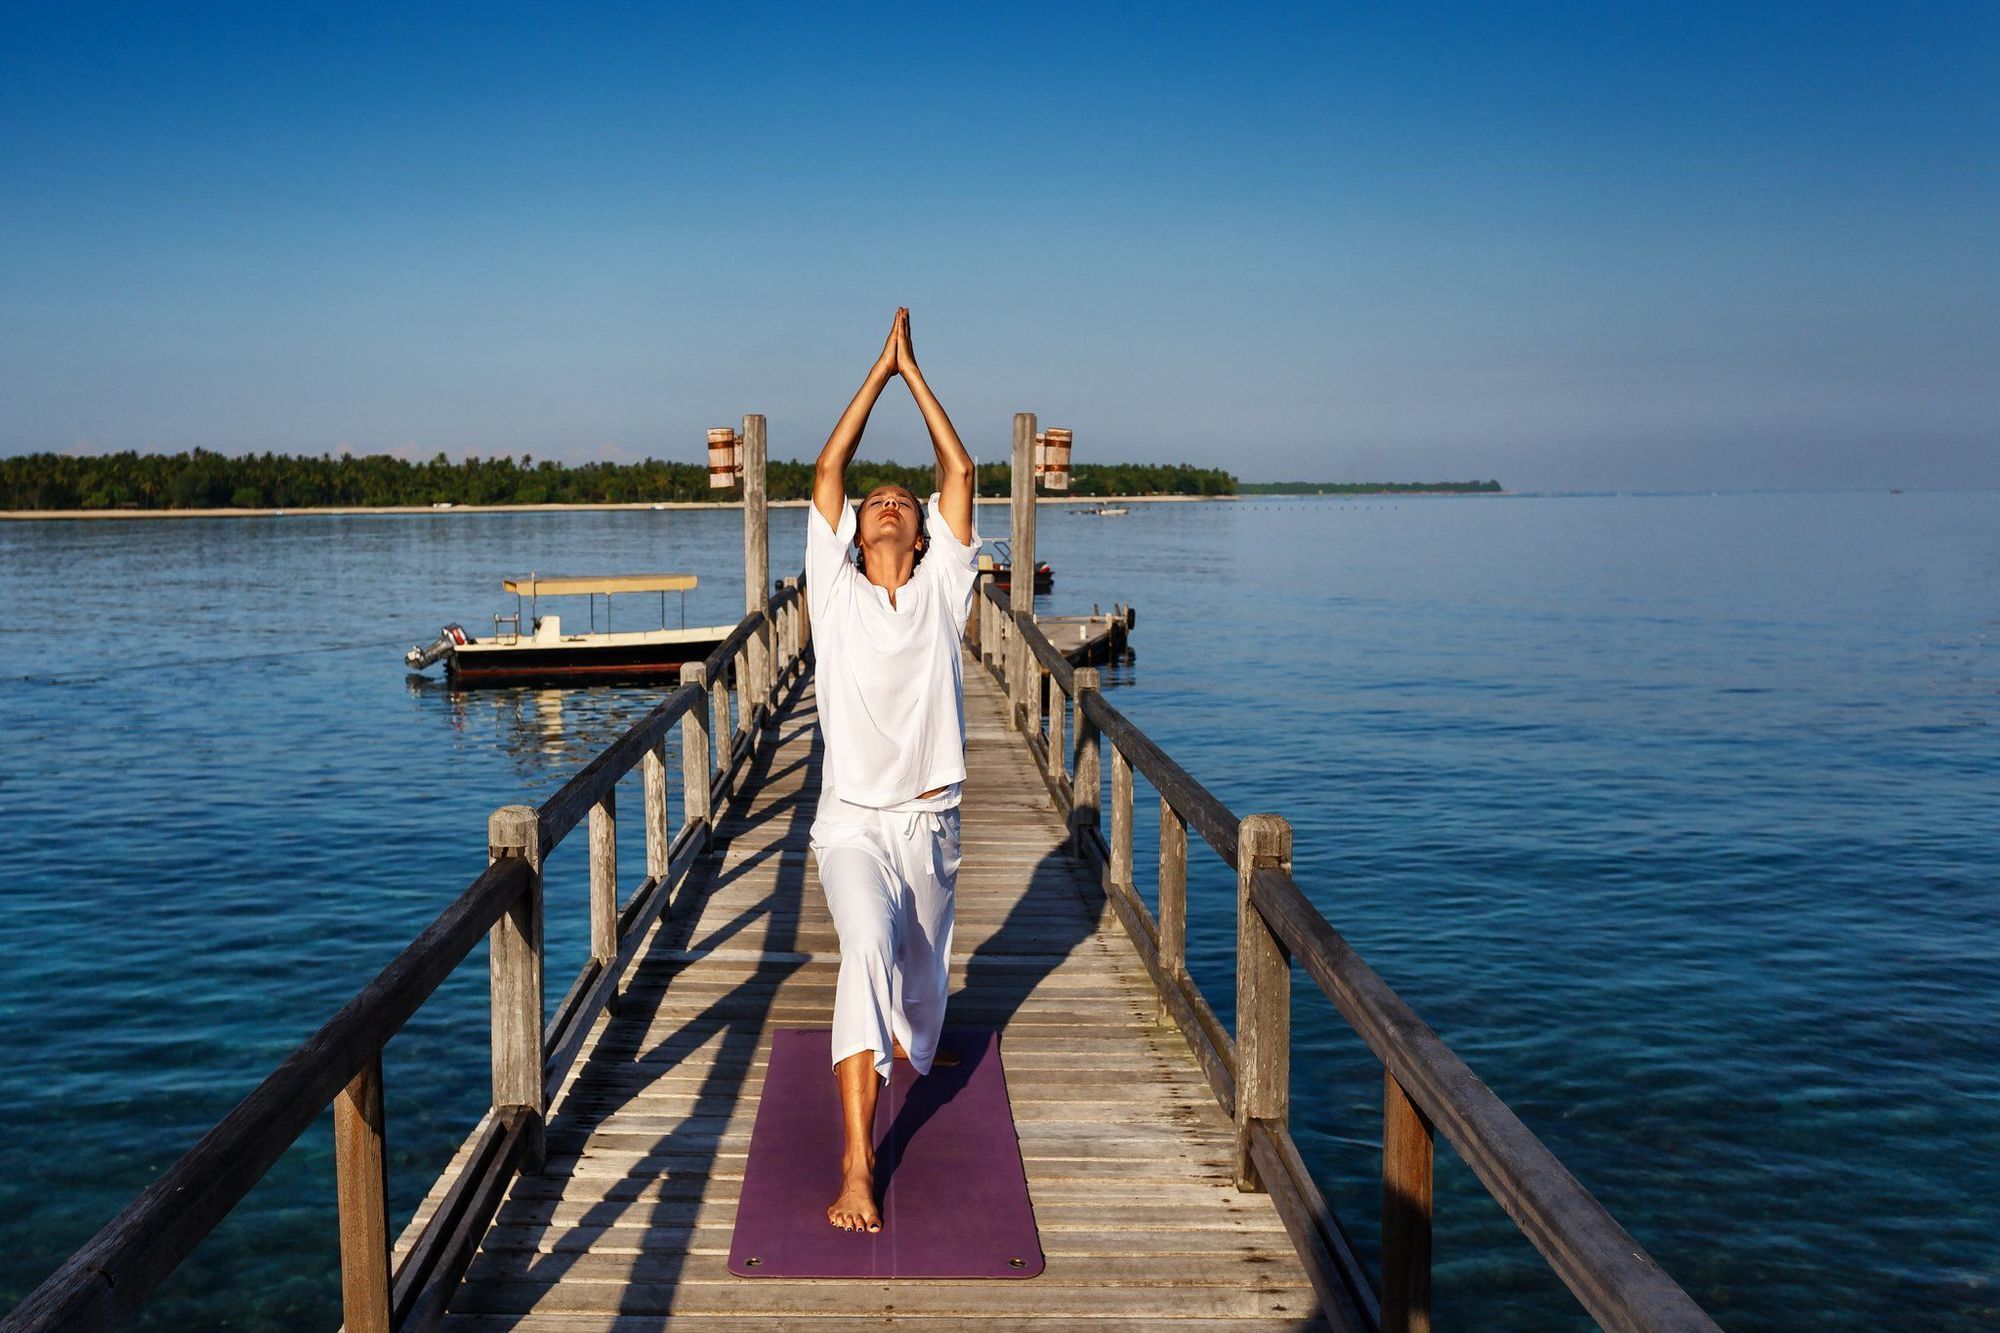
[[669, 1188], [1060, 909]]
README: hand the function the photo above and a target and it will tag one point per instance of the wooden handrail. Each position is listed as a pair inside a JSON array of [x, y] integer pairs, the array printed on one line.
[[1045, 652], [1426, 1085], [1203, 811], [563, 811], [111, 1276], [1615, 1279]]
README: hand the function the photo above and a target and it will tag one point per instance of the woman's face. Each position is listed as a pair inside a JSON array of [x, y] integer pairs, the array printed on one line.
[[888, 518]]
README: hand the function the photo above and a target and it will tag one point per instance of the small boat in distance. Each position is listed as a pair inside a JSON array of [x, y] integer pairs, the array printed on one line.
[[999, 566], [543, 654], [1103, 511]]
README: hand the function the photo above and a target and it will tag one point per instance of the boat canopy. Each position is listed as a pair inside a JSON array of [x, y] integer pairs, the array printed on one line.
[[602, 583]]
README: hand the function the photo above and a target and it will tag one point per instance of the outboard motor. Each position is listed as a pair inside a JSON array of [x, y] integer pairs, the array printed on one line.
[[449, 638]]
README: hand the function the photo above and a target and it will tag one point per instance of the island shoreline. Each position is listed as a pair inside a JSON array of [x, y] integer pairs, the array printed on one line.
[[26, 515]]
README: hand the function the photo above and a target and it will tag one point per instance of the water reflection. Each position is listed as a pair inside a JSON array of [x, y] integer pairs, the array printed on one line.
[[544, 729]]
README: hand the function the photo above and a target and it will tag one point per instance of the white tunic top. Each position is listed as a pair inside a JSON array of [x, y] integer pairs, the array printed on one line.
[[889, 679]]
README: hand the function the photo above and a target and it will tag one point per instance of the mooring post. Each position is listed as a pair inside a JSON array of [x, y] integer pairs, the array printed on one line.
[[1263, 994], [362, 1185], [756, 688], [694, 751], [1021, 595], [514, 965]]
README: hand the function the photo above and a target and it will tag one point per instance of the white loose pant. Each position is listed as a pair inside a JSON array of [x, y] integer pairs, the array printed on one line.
[[889, 878]]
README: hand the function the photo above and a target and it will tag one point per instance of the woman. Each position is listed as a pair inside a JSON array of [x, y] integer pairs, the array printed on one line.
[[888, 593]]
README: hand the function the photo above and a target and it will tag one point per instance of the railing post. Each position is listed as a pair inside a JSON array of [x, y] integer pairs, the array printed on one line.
[[604, 870], [1121, 818], [746, 699], [1173, 899], [788, 637], [362, 1185], [1044, 687], [780, 638], [756, 679], [1406, 1212], [988, 637], [514, 958], [1083, 787], [795, 628], [1021, 588], [1057, 708], [718, 725], [659, 831], [1263, 994], [694, 750]]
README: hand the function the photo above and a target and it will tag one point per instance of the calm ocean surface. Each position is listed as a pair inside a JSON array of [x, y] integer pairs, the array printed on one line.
[[1677, 816]]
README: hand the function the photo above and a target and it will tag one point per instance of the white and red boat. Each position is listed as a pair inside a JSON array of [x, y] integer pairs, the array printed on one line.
[[541, 653]]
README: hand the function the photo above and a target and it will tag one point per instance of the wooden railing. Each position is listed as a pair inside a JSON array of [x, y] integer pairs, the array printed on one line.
[[1427, 1090], [113, 1274]]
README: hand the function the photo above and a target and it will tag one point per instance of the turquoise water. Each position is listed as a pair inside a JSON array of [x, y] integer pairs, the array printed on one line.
[[1675, 815]]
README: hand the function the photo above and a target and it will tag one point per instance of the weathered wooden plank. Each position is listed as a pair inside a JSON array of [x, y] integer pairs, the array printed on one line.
[[1176, 1272], [639, 1238], [789, 1323], [1041, 1297], [1100, 1210]]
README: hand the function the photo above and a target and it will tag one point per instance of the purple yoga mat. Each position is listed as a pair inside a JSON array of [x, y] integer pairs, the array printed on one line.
[[948, 1174]]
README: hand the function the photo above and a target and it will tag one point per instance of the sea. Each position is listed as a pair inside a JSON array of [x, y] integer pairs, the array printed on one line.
[[1676, 815]]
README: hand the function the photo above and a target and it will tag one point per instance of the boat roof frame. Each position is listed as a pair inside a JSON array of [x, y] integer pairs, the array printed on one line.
[[581, 585]]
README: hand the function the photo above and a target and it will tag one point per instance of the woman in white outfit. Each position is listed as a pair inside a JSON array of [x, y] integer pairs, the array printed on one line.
[[888, 592]]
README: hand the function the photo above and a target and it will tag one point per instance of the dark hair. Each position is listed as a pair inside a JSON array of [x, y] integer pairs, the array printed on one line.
[[923, 527]]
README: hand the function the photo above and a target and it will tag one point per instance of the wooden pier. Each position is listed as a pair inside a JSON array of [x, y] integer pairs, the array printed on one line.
[[1128, 1156], [599, 1190]]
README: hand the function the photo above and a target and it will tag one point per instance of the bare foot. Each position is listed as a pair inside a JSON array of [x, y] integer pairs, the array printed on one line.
[[855, 1209], [943, 1057]]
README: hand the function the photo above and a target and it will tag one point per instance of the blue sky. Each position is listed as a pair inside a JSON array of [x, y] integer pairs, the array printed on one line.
[[1568, 246]]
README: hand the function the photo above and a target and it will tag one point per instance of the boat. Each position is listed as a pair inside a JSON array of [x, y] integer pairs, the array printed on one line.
[[543, 654], [1104, 511], [998, 564]]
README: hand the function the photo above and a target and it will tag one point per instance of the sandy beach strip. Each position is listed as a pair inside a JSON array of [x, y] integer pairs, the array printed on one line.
[[447, 510]]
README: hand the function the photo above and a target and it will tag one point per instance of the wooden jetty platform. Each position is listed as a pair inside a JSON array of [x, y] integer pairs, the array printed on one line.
[[599, 1189], [1128, 1156], [1097, 639]]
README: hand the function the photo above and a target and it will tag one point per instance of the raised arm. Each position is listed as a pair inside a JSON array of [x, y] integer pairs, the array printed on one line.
[[954, 464], [830, 472]]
